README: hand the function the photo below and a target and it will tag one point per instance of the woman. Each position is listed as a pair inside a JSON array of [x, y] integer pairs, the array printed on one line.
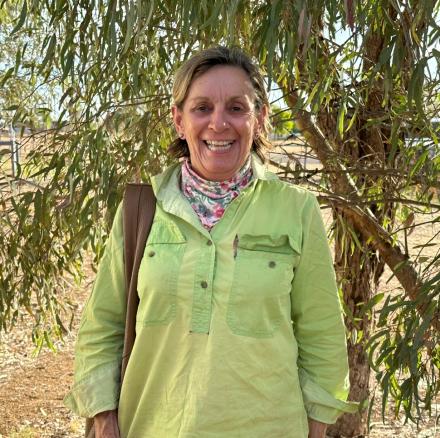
[[239, 327]]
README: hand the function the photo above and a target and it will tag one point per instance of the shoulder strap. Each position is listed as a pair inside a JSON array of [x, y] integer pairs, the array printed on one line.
[[139, 207]]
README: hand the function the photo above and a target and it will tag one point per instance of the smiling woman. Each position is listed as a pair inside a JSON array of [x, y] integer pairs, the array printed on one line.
[[219, 120], [239, 331]]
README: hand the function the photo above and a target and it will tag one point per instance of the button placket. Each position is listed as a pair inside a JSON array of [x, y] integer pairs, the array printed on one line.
[[202, 297]]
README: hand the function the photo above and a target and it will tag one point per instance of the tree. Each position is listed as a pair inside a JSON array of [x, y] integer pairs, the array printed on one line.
[[360, 99]]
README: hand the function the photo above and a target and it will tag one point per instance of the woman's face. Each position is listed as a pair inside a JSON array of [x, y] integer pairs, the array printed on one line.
[[219, 121]]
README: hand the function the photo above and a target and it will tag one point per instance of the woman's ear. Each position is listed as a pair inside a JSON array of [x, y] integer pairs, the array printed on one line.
[[177, 119], [262, 116]]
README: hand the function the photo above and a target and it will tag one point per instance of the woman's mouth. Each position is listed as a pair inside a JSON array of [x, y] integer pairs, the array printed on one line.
[[219, 146]]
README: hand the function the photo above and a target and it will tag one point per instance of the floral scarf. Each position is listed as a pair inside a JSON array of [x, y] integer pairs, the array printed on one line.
[[209, 199]]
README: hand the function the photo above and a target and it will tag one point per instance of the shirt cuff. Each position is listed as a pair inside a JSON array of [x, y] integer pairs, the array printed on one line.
[[95, 393], [321, 405]]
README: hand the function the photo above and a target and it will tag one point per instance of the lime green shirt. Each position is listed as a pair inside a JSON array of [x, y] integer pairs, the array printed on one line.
[[239, 331]]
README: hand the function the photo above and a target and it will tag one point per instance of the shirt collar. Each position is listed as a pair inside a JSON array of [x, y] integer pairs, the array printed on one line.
[[170, 177], [260, 169]]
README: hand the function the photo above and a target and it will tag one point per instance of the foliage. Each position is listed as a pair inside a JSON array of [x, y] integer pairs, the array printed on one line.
[[405, 351], [17, 86], [281, 120], [93, 78]]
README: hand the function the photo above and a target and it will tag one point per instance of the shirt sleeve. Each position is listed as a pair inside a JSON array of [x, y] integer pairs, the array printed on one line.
[[99, 344], [318, 324]]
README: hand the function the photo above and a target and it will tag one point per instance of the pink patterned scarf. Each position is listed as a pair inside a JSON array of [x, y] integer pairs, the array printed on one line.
[[209, 199]]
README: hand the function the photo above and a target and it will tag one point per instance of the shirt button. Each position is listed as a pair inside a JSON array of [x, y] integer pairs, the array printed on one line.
[[209, 242], [272, 264], [151, 254], [204, 284]]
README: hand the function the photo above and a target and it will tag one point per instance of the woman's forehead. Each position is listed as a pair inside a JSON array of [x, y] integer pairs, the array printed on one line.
[[222, 82]]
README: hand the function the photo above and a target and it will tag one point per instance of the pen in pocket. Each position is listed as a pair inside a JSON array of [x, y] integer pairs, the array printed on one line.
[[235, 246]]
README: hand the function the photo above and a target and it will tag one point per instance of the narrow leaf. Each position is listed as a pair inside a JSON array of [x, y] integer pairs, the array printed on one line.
[[22, 18]]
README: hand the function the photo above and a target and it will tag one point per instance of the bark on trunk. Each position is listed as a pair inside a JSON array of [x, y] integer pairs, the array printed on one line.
[[356, 270], [354, 425]]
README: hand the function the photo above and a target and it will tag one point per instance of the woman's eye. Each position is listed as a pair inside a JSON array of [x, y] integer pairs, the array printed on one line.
[[202, 108], [236, 108]]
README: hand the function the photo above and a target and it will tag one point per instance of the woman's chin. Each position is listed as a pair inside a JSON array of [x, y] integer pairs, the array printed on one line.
[[217, 172]]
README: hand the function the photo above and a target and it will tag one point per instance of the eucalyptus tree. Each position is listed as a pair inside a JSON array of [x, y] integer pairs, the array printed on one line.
[[361, 80]]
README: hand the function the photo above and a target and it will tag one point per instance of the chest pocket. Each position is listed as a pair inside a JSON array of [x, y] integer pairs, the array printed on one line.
[[260, 296], [158, 274]]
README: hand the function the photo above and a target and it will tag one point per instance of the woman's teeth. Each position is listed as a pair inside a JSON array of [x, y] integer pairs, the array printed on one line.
[[218, 145]]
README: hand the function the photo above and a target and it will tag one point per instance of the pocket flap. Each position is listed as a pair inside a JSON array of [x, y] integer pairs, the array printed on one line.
[[281, 243], [164, 233]]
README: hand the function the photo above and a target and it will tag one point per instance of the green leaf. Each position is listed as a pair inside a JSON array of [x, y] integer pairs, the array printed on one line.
[[341, 119], [130, 20], [49, 53], [419, 163], [214, 17], [21, 19], [415, 88], [6, 76], [373, 302], [67, 67]]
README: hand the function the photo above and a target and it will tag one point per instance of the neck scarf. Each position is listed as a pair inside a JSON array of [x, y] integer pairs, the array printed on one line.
[[209, 199]]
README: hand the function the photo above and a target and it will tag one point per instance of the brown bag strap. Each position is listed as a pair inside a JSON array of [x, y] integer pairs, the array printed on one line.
[[139, 208]]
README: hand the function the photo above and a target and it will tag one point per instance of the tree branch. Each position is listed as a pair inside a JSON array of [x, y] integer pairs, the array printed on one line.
[[398, 262], [364, 220]]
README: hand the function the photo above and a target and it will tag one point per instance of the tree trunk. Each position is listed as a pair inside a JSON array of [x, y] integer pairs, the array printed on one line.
[[356, 270], [354, 425]]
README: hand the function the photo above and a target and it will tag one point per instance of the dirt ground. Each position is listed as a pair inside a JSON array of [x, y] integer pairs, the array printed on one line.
[[32, 388]]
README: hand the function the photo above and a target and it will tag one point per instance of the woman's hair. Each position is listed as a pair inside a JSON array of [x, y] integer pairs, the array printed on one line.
[[199, 64]]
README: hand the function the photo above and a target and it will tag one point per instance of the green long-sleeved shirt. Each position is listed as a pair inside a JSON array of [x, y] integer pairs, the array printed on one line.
[[239, 331]]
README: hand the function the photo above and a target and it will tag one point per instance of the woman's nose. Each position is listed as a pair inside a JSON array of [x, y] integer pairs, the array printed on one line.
[[218, 121]]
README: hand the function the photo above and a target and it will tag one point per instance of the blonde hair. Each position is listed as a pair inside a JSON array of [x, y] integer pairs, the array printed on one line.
[[199, 64]]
